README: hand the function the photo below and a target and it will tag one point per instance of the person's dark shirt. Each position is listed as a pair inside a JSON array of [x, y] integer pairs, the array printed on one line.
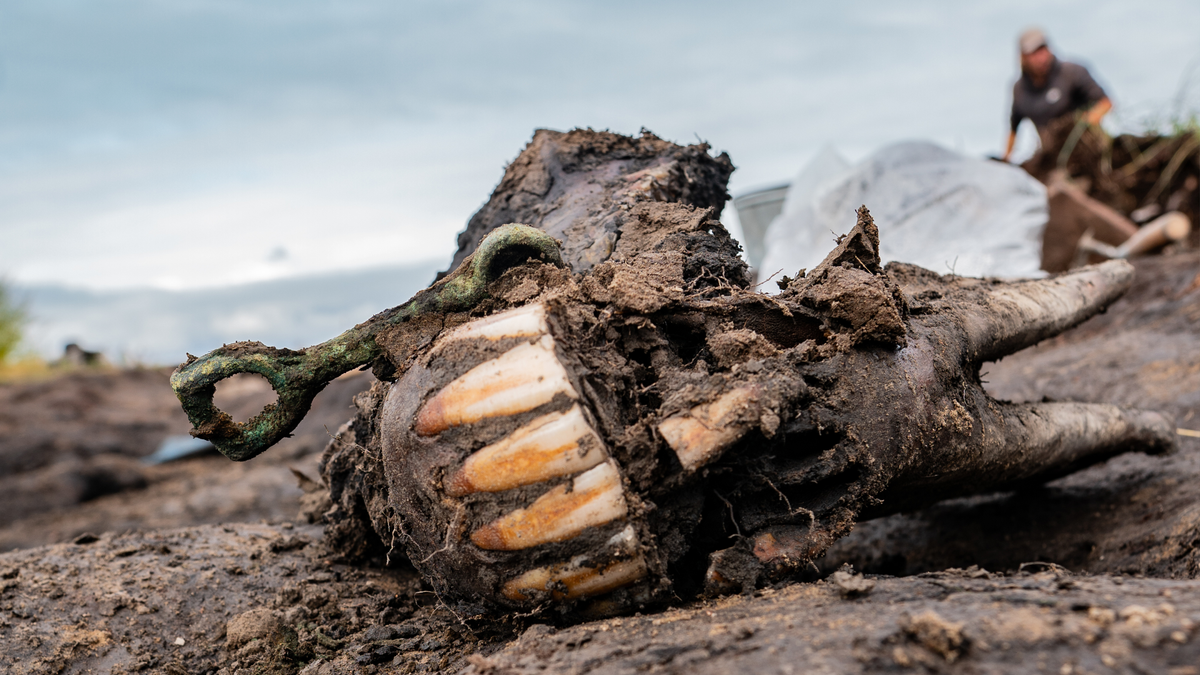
[[1068, 87]]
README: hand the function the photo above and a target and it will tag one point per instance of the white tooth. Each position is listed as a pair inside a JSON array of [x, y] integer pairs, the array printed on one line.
[[596, 497], [526, 321], [552, 445], [578, 580], [704, 432], [521, 379]]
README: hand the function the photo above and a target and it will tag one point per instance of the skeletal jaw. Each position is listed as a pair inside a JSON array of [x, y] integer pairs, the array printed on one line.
[[525, 470]]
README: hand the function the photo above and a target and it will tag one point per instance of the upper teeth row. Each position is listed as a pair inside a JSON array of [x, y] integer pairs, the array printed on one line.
[[553, 445]]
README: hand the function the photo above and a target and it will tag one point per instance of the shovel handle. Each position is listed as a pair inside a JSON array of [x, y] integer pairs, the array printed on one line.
[[297, 376]]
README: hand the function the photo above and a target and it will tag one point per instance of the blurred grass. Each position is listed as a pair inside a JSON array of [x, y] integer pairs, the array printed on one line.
[[12, 323], [15, 365]]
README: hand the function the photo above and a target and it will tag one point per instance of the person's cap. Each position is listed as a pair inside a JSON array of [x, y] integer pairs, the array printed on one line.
[[1032, 40]]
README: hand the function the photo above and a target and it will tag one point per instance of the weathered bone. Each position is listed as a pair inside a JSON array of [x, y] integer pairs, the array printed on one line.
[[1016, 316], [598, 435]]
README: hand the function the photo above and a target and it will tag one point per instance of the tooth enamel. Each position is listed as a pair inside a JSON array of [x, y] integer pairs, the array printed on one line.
[[523, 378], [701, 434], [526, 321], [552, 445], [578, 577], [579, 581], [596, 497]]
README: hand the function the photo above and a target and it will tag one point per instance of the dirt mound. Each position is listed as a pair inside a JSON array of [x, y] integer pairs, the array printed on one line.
[[71, 449], [1151, 173]]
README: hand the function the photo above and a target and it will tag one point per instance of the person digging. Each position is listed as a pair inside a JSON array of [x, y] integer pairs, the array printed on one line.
[[1050, 89]]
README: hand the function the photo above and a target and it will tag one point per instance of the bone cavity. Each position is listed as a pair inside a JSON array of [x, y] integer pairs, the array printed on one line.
[[557, 444], [523, 378], [527, 321], [701, 434], [595, 497]]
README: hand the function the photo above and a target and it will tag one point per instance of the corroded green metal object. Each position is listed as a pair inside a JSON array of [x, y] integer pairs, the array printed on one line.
[[297, 376]]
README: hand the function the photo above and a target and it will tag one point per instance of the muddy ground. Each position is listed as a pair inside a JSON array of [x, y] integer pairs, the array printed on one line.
[[113, 566]]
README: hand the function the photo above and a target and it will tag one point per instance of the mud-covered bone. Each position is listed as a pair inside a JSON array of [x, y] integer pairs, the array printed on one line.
[[652, 427]]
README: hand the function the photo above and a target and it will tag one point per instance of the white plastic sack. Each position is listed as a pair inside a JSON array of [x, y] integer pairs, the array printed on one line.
[[934, 208]]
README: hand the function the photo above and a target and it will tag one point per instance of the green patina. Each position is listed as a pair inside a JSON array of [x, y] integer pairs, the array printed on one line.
[[299, 375]]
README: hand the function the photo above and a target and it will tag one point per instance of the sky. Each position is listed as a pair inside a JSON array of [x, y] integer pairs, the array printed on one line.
[[195, 144]]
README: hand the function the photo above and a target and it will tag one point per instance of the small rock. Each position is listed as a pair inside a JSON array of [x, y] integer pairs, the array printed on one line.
[[380, 654], [255, 624], [936, 634], [380, 633], [851, 583]]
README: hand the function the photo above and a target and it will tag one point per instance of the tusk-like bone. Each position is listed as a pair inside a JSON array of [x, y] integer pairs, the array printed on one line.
[[596, 497], [1029, 442], [523, 378], [557, 444], [1020, 315], [701, 434]]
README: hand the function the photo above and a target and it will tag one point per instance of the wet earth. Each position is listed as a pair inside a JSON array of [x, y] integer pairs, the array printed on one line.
[[204, 565]]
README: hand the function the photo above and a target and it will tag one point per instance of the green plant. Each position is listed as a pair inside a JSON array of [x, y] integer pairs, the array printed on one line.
[[12, 320]]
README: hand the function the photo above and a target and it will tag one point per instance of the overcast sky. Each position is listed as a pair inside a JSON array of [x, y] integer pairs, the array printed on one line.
[[195, 143]]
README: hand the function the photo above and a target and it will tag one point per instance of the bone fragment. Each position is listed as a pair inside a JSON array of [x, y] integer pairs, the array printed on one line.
[[557, 444], [523, 378], [1167, 228], [596, 497], [701, 434]]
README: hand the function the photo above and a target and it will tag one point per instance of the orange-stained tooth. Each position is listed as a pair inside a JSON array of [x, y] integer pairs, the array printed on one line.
[[527, 321], [596, 497], [552, 445], [579, 581], [519, 380], [699, 435]]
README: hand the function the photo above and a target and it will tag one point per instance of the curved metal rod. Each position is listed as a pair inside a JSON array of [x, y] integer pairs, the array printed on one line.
[[297, 376]]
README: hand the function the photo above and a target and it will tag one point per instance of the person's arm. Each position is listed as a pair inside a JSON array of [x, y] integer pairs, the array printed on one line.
[[1014, 120], [1085, 85], [1012, 139], [1098, 111]]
